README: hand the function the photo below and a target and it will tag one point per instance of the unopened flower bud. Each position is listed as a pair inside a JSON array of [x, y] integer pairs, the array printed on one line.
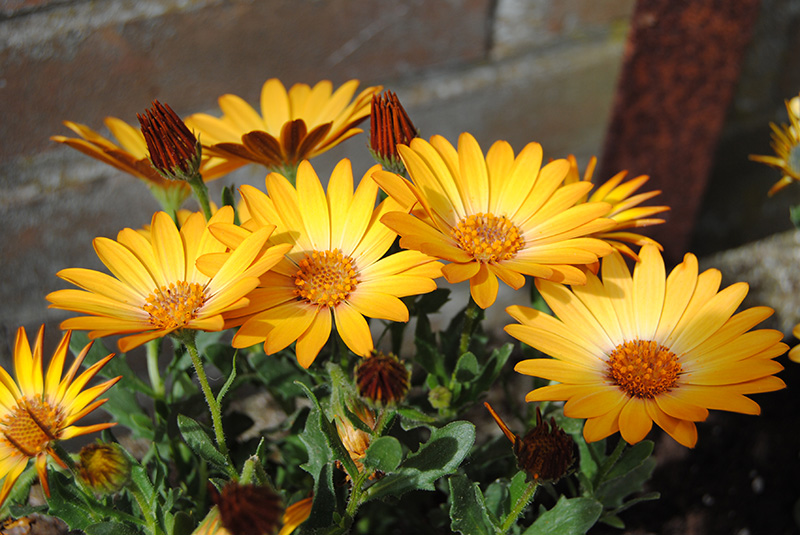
[[103, 468], [545, 453], [355, 440], [382, 379], [389, 127], [174, 150]]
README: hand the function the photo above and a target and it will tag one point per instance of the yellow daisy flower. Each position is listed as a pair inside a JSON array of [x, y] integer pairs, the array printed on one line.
[[293, 126], [632, 350], [336, 269], [174, 280], [495, 216], [625, 209], [40, 408], [786, 144]]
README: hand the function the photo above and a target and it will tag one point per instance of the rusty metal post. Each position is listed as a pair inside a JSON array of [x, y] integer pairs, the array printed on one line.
[[681, 65]]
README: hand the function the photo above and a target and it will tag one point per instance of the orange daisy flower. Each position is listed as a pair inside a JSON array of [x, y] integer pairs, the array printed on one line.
[[173, 280], [293, 126], [495, 216], [336, 269]]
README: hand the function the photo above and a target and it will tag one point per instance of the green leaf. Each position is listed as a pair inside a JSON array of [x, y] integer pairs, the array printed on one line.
[[631, 459], [322, 440], [432, 301], [612, 492], [467, 368], [414, 416], [67, 503], [323, 506], [568, 517], [439, 456], [182, 524], [384, 454], [496, 498], [518, 485], [111, 528], [491, 370], [200, 443], [468, 514]]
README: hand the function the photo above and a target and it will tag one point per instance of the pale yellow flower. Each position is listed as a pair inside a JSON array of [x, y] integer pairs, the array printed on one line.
[[629, 351]]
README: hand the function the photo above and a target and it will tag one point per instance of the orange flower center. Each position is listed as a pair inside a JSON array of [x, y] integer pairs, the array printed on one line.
[[31, 426], [325, 278], [487, 237], [643, 369], [174, 306]]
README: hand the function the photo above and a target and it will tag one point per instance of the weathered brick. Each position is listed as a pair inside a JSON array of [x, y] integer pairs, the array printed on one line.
[[56, 69], [522, 25]]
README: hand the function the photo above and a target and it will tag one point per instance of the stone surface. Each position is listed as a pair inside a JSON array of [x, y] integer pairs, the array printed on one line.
[[769, 266]]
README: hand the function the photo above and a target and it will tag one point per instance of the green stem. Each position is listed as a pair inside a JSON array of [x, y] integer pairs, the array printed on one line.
[[522, 503], [153, 348], [289, 172], [201, 193], [187, 338], [469, 320]]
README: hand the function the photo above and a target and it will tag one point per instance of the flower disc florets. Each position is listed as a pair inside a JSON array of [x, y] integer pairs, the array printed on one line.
[[487, 237]]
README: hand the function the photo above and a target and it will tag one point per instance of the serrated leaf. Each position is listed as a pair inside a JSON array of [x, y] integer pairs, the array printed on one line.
[[573, 516], [198, 440], [322, 440], [439, 456], [468, 513], [67, 503], [384, 454]]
